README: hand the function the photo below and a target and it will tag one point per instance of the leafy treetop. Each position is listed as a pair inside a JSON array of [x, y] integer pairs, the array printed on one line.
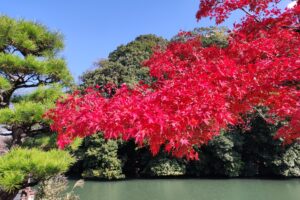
[[208, 36], [124, 65], [29, 57]]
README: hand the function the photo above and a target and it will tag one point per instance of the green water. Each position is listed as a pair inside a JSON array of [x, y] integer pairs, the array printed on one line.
[[192, 189]]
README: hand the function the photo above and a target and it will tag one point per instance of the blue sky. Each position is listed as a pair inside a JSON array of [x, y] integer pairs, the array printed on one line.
[[93, 28]]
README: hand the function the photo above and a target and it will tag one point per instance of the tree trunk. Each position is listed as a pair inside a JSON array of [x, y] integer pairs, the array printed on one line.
[[8, 195], [17, 133], [5, 98], [5, 143]]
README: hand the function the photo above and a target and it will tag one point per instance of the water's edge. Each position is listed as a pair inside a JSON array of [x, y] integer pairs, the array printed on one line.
[[190, 189]]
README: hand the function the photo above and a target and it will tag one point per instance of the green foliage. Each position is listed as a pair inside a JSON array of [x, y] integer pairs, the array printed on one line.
[[124, 65], [29, 57], [23, 113], [139, 162], [137, 51], [224, 156], [75, 145], [55, 189], [100, 159], [4, 84], [287, 164], [225, 153], [29, 109], [33, 41], [43, 94], [47, 141], [264, 156], [221, 157], [29, 37], [54, 69], [163, 166], [260, 148], [109, 72], [44, 141], [209, 36], [18, 164], [27, 112], [248, 154]]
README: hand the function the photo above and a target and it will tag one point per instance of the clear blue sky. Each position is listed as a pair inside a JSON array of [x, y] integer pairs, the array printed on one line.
[[93, 28]]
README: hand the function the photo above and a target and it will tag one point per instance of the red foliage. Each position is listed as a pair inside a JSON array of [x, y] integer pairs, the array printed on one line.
[[220, 9], [199, 91]]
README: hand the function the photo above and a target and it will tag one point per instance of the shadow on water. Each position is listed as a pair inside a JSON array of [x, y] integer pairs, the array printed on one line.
[[191, 189]]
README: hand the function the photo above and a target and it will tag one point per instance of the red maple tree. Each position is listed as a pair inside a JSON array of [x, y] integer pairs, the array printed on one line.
[[201, 91]]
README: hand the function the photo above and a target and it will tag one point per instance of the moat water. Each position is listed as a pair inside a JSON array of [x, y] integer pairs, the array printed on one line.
[[191, 189]]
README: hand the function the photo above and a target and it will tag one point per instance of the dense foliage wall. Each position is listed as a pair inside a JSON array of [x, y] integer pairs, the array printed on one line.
[[232, 154], [248, 154]]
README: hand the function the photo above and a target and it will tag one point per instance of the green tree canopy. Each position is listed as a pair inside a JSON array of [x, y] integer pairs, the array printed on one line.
[[29, 57], [208, 35], [100, 158], [124, 65], [25, 118]]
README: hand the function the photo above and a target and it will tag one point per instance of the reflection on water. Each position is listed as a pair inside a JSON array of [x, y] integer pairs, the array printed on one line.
[[192, 189]]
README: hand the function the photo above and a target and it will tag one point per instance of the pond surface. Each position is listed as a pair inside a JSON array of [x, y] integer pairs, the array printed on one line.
[[191, 189]]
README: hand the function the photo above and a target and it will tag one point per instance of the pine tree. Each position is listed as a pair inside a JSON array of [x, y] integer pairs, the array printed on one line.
[[29, 58]]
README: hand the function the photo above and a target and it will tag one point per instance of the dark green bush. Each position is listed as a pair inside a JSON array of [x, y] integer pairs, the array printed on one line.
[[100, 158]]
